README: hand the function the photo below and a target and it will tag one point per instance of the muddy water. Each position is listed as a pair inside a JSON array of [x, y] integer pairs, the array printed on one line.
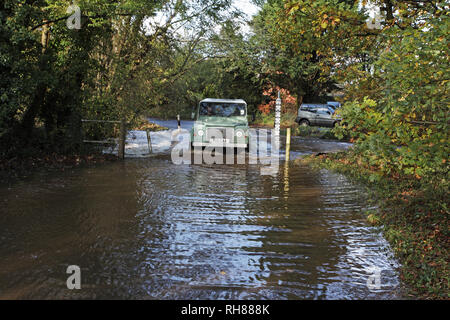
[[149, 229]]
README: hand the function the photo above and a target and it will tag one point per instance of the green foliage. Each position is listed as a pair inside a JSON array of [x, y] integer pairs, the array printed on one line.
[[118, 65], [130, 58], [308, 42], [396, 111], [406, 130]]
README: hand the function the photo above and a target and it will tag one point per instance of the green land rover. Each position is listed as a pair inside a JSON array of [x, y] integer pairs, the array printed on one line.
[[220, 123]]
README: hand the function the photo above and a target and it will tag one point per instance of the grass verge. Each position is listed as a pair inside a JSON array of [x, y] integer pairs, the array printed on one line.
[[287, 120], [143, 124]]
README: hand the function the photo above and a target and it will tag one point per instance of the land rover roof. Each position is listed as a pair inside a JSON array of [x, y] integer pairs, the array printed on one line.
[[223, 100]]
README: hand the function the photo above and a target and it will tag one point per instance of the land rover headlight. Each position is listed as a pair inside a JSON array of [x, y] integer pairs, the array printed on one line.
[[200, 132], [239, 133]]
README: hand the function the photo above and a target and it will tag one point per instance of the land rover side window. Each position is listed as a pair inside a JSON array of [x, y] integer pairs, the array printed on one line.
[[222, 109]]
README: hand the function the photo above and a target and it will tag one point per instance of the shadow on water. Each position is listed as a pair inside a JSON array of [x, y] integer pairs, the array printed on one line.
[[146, 229]]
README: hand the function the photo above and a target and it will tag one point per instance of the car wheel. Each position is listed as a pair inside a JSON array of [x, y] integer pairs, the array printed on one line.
[[304, 123]]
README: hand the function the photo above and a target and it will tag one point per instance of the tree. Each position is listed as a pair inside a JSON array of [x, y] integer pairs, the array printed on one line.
[[300, 47], [117, 65]]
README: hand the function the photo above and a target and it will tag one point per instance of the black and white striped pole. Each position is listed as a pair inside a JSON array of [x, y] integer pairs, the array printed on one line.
[[179, 122], [276, 131], [278, 115]]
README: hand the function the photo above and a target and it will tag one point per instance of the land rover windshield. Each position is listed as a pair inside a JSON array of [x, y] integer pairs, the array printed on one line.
[[222, 109]]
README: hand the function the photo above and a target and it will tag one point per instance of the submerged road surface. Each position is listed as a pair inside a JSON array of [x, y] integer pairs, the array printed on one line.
[[146, 228]]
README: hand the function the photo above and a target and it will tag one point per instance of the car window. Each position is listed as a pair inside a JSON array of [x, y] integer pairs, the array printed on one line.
[[309, 109], [324, 111], [222, 109]]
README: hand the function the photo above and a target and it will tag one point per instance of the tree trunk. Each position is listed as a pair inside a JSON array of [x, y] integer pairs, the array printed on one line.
[[33, 110], [38, 100]]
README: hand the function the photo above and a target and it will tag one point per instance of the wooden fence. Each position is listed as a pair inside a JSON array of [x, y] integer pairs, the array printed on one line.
[[122, 136]]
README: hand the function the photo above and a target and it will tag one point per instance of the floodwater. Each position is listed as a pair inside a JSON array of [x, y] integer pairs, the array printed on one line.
[[149, 229]]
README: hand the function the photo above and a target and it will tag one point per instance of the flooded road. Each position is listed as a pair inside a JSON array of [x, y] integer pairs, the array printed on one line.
[[148, 229]]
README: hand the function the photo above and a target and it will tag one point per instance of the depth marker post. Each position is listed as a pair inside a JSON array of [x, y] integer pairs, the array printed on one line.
[[288, 143], [278, 115]]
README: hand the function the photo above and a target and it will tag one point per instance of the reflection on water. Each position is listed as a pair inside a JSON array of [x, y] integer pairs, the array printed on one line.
[[147, 229]]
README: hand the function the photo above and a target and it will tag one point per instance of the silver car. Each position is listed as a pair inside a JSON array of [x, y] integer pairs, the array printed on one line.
[[320, 115]]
